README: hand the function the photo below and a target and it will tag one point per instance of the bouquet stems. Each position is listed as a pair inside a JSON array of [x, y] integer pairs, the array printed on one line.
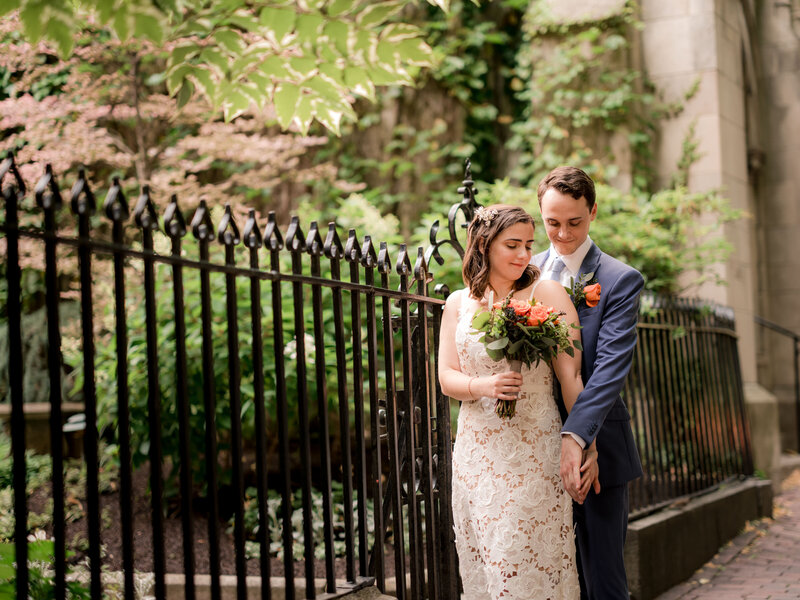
[[506, 409]]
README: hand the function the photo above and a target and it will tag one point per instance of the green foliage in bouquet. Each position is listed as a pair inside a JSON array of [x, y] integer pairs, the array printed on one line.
[[524, 331]]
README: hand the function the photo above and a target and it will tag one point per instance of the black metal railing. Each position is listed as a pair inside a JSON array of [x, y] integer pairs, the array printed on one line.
[[390, 428], [685, 396], [328, 348], [795, 339]]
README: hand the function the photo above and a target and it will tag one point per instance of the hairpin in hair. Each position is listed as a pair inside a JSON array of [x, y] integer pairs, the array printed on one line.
[[485, 214]]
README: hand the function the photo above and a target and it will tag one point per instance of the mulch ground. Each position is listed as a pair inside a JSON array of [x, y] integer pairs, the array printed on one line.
[[111, 536]]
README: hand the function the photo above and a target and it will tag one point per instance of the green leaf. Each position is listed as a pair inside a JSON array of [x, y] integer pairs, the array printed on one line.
[[338, 32], [212, 56], [415, 52], [377, 13], [308, 28], [122, 23], [182, 52], [241, 64], [549, 342], [243, 20], [205, 82], [304, 113], [105, 8], [494, 354], [396, 32], [285, 99], [275, 66], [381, 76], [339, 7], [578, 345], [301, 66], [514, 348], [262, 81], [61, 33], [6, 6], [359, 82], [31, 21], [41, 551], [279, 21], [481, 319], [329, 117], [176, 76], [230, 40], [148, 25], [235, 103], [185, 93], [325, 88], [333, 73], [498, 344]]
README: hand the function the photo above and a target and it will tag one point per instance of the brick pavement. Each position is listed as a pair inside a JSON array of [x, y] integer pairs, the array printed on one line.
[[763, 562]]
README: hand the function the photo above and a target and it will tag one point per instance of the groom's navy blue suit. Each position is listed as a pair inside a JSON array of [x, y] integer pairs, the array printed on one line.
[[608, 335]]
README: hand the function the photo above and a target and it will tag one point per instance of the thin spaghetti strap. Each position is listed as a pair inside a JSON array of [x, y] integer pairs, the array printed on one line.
[[533, 289]]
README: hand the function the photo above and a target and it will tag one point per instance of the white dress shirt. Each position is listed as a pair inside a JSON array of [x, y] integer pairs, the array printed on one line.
[[572, 262], [572, 266]]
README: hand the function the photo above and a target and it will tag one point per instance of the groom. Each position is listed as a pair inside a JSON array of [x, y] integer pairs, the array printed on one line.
[[567, 202]]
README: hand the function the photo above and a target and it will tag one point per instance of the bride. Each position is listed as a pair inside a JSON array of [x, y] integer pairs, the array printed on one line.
[[513, 518]]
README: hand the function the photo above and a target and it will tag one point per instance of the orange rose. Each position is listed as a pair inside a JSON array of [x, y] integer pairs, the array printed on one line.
[[592, 294], [521, 307], [539, 314]]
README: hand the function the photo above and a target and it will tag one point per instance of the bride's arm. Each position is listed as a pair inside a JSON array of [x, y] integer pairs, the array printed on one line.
[[455, 383], [568, 370]]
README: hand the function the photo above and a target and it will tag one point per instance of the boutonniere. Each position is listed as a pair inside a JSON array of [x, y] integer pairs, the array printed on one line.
[[585, 289]]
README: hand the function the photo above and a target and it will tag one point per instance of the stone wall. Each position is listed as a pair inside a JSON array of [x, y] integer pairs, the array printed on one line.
[[779, 193]]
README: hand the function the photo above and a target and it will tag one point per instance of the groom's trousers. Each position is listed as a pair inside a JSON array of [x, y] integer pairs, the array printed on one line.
[[601, 524]]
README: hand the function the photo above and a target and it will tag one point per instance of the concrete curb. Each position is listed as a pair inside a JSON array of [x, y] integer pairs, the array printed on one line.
[[667, 547]]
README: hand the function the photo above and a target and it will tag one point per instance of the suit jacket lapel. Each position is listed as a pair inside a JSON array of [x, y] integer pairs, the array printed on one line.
[[540, 259], [591, 261], [590, 264]]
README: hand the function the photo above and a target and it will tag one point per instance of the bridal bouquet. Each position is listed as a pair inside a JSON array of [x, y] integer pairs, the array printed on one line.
[[524, 333]]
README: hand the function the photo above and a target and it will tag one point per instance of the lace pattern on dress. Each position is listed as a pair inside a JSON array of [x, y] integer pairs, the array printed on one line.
[[513, 520]]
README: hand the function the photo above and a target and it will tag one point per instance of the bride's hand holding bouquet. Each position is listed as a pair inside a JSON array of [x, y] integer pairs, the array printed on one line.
[[524, 333]]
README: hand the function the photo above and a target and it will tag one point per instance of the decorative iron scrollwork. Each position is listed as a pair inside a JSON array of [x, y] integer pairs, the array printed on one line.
[[467, 207]]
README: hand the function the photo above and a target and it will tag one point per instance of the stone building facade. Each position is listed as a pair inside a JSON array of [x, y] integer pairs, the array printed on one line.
[[744, 55]]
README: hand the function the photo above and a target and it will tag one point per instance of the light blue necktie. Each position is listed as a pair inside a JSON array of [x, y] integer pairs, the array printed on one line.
[[558, 266]]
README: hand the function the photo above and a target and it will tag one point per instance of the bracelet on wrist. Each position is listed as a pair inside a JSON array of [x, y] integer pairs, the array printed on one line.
[[469, 387]]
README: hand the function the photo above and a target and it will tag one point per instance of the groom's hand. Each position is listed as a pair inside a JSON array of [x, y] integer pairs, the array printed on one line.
[[571, 459]]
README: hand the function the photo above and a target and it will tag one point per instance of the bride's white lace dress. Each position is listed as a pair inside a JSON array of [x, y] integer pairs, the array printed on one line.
[[513, 519]]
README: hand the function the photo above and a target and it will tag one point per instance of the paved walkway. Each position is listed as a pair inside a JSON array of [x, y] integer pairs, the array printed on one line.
[[762, 562]]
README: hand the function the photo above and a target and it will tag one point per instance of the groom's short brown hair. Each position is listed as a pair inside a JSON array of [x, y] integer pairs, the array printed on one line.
[[568, 180]]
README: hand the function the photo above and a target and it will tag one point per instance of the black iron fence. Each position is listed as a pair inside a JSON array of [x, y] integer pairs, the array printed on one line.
[[286, 385], [686, 400]]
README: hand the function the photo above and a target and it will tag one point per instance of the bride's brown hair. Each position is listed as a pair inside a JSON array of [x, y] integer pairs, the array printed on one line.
[[484, 228]]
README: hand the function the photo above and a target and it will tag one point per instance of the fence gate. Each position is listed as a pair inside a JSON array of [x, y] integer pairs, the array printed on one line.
[[243, 369]]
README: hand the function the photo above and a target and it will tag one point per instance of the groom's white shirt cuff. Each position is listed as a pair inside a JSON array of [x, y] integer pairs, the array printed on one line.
[[575, 437]]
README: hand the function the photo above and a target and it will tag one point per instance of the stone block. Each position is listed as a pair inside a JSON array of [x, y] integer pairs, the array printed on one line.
[[731, 99], [657, 9], [708, 135], [701, 29], [761, 408], [665, 548], [785, 90], [578, 11], [673, 34]]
